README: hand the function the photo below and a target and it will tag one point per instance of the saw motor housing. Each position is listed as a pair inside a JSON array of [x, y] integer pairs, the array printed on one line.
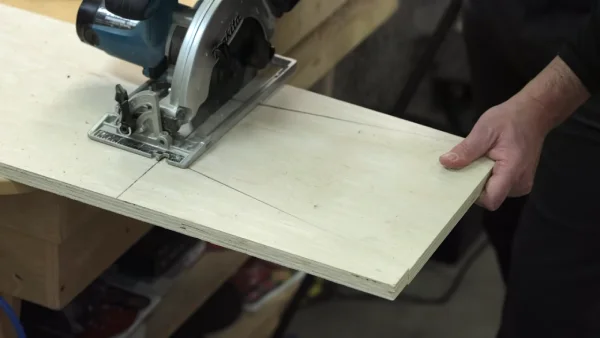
[[129, 31], [205, 67]]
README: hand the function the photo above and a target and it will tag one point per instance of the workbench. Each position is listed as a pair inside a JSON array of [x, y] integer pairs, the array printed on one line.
[[52, 247]]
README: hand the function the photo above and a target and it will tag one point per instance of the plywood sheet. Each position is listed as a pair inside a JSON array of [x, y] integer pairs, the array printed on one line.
[[306, 181]]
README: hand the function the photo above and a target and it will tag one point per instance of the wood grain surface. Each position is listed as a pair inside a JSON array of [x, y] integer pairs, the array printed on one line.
[[306, 181], [52, 274]]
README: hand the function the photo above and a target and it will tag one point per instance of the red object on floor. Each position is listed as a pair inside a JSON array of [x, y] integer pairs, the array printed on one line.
[[257, 278], [109, 322]]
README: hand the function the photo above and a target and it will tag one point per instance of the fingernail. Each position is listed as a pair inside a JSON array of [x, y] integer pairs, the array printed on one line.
[[451, 157]]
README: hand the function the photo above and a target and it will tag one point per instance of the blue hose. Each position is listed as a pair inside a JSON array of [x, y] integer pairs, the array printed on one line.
[[12, 316]]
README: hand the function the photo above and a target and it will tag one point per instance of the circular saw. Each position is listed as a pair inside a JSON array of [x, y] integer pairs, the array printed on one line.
[[207, 66]]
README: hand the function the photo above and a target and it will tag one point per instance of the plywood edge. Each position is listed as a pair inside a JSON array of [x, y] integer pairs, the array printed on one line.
[[225, 240], [437, 241], [191, 289], [321, 50]]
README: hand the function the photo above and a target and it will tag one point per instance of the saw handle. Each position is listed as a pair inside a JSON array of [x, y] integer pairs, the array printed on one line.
[[132, 9]]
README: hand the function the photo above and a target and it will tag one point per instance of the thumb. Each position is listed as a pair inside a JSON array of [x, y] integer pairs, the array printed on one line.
[[474, 146]]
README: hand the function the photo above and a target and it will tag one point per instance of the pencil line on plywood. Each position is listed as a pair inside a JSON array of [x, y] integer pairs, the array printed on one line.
[[137, 179], [258, 200], [354, 122]]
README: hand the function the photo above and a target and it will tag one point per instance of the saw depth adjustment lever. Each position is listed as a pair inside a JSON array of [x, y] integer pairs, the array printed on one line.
[[127, 120]]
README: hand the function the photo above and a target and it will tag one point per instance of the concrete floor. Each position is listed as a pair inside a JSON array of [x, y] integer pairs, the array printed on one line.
[[473, 311]]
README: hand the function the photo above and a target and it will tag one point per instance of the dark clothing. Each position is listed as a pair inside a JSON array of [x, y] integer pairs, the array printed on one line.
[[582, 52], [547, 243], [553, 287], [533, 31]]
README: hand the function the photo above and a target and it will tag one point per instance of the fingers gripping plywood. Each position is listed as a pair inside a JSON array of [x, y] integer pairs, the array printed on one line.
[[306, 181]]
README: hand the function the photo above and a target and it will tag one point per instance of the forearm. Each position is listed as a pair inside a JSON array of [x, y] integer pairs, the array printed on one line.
[[569, 80], [554, 94]]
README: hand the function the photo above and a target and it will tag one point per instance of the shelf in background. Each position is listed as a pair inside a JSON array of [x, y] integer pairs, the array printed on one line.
[[192, 288], [262, 323]]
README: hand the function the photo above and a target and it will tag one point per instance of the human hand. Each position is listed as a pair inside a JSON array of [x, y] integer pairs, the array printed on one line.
[[512, 135]]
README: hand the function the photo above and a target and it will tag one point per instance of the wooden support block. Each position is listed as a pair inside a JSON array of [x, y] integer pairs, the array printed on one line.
[[291, 28], [307, 16], [318, 33], [12, 188], [191, 290], [296, 25], [327, 45], [44, 215], [51, 274]]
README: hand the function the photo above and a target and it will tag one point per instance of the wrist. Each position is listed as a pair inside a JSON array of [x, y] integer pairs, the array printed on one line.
[[538, 117], [553, 95]]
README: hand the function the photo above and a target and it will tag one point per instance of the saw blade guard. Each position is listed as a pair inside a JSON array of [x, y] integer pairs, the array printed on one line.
[[215, 22]]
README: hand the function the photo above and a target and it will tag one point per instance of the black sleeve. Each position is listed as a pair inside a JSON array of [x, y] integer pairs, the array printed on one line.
[[582, 52]]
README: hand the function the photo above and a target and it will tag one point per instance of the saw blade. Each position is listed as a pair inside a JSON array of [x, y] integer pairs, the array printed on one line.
[[201, 55]]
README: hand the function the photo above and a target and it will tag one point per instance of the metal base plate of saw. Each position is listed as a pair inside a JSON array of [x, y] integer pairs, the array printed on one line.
[[208, 67]]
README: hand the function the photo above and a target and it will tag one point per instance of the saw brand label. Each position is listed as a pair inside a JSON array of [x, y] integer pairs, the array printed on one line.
[[106, 18], [233, 25]]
